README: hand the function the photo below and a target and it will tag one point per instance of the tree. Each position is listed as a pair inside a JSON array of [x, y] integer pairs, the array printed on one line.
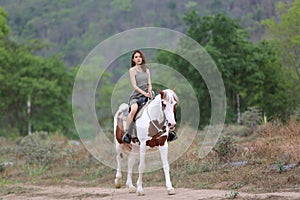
[[46, 81], [3, 25], [74, 27], [245, 72], [275, 96], [285, 33]]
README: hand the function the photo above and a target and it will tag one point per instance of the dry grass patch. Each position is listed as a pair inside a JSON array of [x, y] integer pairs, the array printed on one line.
[[279, 142], [274, 145]]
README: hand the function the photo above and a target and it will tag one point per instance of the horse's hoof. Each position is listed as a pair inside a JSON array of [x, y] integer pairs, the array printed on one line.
[[118, 183], [132, 189], [171, 192], [141, 193]]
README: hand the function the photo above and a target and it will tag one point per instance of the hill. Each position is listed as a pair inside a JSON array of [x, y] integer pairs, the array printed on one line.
[[73, 27]]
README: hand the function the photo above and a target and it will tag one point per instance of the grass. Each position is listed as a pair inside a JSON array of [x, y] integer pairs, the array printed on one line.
[[266, 153]]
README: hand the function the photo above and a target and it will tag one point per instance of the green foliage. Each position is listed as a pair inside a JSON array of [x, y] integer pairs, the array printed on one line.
[[123, 5], [46, 82], [276, 96], [233, 194], [249, 70], [2, 167], [3, 25], [285, 33], [74, 27], [280, 167]]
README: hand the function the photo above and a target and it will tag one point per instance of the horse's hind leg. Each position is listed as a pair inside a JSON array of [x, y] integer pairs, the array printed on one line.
[[164, 157], [142, 165], [131, 161], [118, 179]]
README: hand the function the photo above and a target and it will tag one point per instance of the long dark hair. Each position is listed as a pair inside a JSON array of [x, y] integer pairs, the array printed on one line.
[[143, 65]]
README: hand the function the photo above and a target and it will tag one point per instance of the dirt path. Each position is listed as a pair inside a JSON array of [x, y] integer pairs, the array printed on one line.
[[32, 192]]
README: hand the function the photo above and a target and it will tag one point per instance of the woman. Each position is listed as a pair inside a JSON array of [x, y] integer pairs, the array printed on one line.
[[141, 83]]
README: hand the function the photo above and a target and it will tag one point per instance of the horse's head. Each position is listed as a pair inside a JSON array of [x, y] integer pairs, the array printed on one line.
[[169, 102]]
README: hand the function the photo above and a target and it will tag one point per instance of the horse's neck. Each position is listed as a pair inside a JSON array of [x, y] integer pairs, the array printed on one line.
[[155, 109]]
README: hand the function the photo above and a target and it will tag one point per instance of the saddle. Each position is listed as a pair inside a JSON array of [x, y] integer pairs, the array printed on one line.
[[142, 104]]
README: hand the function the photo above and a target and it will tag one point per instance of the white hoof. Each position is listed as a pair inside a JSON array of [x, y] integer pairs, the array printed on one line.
[[132, 189], [171, 192], [118, 183], [141, 193]]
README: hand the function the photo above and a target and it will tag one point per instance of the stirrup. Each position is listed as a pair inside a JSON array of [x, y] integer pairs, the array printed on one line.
[[126, 137]]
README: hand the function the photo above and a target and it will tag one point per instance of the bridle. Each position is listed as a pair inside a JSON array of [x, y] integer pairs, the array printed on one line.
[[160, 130]]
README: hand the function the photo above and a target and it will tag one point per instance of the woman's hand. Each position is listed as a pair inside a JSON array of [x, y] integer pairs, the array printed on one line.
[[148, 94]]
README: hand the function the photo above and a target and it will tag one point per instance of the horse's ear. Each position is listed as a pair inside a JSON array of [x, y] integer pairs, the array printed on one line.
[[161, 93], [174, 89]]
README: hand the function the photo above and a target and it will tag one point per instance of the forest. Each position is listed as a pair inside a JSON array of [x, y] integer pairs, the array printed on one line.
[[51, 78], [255, 45]]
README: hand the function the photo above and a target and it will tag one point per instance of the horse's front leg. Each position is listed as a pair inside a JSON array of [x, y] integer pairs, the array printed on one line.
[[140, 190], [131, 161], [164, 157]]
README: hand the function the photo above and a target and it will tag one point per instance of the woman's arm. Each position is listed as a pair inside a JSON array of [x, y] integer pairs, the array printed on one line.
[[132, 74], [149, 83]]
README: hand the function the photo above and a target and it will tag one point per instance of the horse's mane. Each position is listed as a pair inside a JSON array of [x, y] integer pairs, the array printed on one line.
[[170, 96]]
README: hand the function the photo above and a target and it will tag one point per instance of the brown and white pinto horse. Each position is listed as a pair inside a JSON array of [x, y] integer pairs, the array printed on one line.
[[152, 127]]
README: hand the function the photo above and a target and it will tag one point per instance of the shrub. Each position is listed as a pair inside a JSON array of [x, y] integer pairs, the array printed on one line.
[[2, 167], [38, 149], [225, 148], [251, 118], [279, 141], [237, 130]]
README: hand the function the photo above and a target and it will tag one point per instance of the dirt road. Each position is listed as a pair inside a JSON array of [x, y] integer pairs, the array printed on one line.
[[33, 192]]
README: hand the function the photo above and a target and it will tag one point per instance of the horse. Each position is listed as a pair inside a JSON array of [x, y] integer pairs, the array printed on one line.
[[153, 126]]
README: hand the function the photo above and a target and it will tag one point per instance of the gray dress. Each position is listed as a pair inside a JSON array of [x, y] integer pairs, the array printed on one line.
[[142, 82]]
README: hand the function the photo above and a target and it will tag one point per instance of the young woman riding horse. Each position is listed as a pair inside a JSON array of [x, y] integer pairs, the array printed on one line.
[[141, 83]]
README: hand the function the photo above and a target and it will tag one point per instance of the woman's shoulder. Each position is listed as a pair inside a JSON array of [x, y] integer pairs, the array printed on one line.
[[132, 70], [147, 70]]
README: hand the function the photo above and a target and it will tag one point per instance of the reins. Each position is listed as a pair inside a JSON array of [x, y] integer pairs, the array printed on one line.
[[164, 116]]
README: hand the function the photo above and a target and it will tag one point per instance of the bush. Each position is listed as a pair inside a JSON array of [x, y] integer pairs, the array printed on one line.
[[251, 118], [38, 149], [279, 141], [225, 148], [2, 167], [237, 130]]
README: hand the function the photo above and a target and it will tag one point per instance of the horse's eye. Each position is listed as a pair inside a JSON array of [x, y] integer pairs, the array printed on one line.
[[164, 105]]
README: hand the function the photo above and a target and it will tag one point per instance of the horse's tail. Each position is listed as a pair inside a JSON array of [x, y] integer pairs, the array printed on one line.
[[123, 108]]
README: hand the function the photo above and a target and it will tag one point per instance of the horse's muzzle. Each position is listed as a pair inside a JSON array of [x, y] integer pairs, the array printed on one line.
[[171, 126]]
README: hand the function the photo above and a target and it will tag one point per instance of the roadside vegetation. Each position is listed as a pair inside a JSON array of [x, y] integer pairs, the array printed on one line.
[[266, 160]]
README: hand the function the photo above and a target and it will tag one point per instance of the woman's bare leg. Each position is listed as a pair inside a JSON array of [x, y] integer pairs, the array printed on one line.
[[127, 137], [133, 110]]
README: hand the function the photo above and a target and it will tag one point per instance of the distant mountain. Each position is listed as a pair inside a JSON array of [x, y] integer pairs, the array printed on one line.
[[74, 27]]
